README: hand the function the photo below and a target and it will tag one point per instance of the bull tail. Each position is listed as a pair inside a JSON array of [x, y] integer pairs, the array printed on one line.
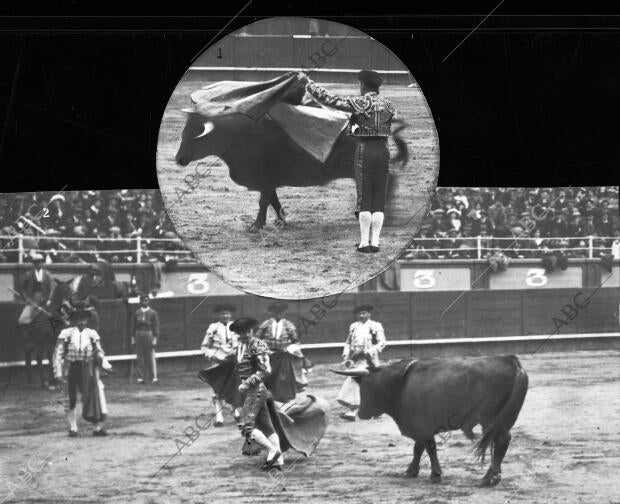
[[402, 156], [507, 416]]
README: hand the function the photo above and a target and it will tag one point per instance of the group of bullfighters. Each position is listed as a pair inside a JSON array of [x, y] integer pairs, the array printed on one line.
[[253, 364], [267, 360]]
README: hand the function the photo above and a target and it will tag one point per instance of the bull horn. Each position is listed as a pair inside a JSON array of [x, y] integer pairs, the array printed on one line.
[[208, 128], [351, 372]]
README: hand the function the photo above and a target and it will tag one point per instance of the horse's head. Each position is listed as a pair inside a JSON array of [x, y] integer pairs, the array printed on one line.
[[62, 290]]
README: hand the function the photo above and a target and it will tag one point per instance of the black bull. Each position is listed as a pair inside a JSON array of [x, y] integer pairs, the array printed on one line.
[[261, 156], [429, 396]]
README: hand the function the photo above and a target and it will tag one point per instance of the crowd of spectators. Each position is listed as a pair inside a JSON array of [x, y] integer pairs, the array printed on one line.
[[99, 224], [520, 222]]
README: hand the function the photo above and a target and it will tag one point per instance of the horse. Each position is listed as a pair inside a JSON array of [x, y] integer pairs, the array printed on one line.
[[40, 326]]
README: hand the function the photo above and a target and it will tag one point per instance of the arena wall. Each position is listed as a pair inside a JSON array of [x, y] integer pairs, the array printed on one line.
[[297, 51], [405, 315], [415, 300]]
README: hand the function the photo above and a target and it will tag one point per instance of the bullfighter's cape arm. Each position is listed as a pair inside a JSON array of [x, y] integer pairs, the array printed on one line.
[[58, 353], [208, 341], [345, 103], [259, 350], [380, 335]]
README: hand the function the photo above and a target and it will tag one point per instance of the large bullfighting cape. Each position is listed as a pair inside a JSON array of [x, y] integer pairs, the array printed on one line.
[[287, 376], [285, 101], [300, 423], [94, 406]]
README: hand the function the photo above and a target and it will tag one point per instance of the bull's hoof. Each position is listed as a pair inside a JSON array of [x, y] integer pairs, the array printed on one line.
[[255, 227], [490, 480], [435, 478], [282, 216], [412, 471]]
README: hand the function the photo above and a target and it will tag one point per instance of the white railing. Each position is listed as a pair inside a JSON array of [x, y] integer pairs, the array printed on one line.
[[478, 246], [138, 246]]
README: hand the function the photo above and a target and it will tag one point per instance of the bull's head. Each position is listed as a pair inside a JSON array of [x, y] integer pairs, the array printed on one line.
[[378, 388], [198, 140]]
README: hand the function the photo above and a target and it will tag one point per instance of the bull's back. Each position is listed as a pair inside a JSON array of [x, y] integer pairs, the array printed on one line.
[[447, 394]]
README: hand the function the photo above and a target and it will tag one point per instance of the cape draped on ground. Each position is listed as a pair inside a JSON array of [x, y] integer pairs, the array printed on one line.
[[300, 423], [284, 100]]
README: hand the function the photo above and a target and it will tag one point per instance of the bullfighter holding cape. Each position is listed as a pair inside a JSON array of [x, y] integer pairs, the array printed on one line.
[[365, 341], [265, 423], [78, 358], [219, 346], [289, 365]]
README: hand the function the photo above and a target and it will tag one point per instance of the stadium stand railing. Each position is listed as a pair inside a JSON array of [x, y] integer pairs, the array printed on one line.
[[61, 246], [139, 249], [480, 247]]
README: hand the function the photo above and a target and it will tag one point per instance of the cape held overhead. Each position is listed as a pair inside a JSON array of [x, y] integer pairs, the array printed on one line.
[[283, 100]]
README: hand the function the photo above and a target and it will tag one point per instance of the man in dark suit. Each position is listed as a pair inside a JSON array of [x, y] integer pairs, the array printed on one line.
[[145, 330]]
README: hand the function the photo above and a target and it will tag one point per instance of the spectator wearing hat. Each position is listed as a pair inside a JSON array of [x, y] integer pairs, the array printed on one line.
[[289, 366], [145, 331], [454, 220], [371, 124], [219, 345], [37, 283], [253, 367], [77, 358], [366, 340]]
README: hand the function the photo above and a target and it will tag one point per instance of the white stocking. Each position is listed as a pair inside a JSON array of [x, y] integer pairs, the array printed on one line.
[[377, 224], [72, 417], [365, 220], [275, 441], [262, 440], [217, 404]]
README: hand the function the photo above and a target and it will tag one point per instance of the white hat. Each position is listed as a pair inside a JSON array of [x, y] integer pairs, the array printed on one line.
[[57, 196]]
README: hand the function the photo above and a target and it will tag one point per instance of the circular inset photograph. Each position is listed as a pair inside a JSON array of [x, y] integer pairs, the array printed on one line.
[[297, 158]]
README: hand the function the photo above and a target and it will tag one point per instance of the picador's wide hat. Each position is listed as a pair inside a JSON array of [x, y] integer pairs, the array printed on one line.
[[363, 307], [277, 307], [370, 78], [224, 307], [243, 324]]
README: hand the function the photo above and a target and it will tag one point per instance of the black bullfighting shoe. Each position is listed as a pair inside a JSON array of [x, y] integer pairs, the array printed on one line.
[[364, 250], [73, 433], [218, 424], [100, 433], [271, 462], [373, 249]]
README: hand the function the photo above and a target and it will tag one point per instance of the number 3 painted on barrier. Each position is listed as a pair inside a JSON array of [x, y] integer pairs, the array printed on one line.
[[197, 283], [536, 277], [424, 279]]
